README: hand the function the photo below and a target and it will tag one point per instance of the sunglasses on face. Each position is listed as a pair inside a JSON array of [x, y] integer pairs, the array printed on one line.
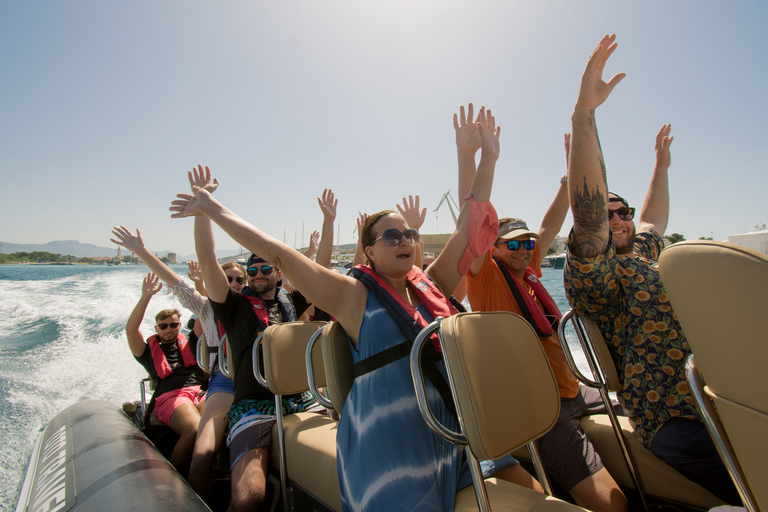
[[240, 280], [394, 237], [172, 325], [514, 245], [623, 213], [265, 271]]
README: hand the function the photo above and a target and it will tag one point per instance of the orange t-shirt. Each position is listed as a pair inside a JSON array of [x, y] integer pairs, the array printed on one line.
[[489, 291]]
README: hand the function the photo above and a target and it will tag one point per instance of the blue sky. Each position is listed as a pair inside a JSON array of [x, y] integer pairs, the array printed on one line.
[[104, 106]]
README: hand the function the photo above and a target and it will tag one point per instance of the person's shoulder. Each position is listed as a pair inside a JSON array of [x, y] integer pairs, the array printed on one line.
[[648, 244]]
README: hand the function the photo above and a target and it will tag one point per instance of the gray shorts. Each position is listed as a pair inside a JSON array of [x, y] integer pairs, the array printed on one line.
[[567, 452], [256, 434]]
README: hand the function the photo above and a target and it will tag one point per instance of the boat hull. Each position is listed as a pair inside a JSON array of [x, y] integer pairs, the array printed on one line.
[[91, 457]]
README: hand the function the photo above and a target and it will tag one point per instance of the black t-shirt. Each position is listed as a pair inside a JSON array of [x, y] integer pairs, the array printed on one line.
[[243, 327], [301, 304], [182, 376]]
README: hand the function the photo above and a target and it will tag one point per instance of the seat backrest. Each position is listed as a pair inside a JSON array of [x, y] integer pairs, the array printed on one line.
[[202, 355], [284, 351], [506, 392], [719, 293], [337, 358], [603, 354]]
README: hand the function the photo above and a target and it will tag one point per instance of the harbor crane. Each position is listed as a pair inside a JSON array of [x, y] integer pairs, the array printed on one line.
[[448, 199]]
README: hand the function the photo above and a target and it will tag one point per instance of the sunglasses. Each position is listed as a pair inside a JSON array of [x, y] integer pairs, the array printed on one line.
[[514, 245], [265, 271], [623, 213], [394, 237], [240, 280], [172, 325]]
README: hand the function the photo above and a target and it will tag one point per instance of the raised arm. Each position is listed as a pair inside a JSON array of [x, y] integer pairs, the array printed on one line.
[[360, 258], [341, 296], [586, 167], [196, 275], [415, 218], [467, 144], [445, 269], [655, 213], [314, 237], [328, 205], [150, 286], [555, 216], [214, 278], [135, 244]]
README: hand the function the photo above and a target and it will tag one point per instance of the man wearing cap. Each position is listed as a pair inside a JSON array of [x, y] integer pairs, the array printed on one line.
[[243, 316], [612, 276], [169, 358], [506, 279]]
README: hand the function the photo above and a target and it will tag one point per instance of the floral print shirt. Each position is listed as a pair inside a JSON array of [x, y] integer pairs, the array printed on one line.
[[627, 300]]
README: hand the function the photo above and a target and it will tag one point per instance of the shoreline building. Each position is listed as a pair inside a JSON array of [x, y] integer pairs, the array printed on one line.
[[755, 240]]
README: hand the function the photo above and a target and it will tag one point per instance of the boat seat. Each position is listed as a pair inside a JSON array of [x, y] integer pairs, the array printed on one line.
[[493, 421], [303, 444], [656, 478], [719, 292]]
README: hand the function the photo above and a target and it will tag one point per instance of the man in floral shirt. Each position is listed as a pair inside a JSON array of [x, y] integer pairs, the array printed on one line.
[[612, 277]]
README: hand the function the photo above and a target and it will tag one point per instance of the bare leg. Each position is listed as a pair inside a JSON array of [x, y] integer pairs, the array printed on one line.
[[599, 493], [249, 480], [518, 475], [184, 422], [210, 433]]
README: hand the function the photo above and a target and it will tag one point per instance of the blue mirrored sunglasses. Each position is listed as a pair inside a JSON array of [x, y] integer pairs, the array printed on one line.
[[514, 245], [393, 237], [265, 270]]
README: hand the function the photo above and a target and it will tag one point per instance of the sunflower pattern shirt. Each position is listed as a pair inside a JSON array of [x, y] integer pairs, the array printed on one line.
[[627, 300]]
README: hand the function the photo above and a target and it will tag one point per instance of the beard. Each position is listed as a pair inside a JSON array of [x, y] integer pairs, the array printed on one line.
[[627, 247]]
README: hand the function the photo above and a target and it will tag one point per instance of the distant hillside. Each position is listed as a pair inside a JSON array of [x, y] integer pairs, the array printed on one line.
[[79, 250]]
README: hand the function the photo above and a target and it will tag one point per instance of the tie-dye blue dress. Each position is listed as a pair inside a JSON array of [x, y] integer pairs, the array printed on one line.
[[388, 459]]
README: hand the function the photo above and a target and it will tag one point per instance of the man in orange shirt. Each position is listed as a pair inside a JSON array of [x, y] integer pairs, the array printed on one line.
[[506, 279]]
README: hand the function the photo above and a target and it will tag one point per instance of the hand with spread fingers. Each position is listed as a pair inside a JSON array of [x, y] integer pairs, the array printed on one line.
[[127, 240], [328, 204], [594, 91], [489, 134], [411, 212], [467, 134], [151, 285], [195, 274]]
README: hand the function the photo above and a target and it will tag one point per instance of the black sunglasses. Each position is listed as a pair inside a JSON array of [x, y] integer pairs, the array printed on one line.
[[623, 213], [172, 325], [514, 245], [240, 280], [394, 237], [265, 271]]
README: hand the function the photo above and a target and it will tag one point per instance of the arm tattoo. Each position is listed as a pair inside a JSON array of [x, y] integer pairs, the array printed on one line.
[[590, 221]]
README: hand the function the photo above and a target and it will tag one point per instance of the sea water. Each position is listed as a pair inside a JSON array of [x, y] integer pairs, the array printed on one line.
[[62, 341]]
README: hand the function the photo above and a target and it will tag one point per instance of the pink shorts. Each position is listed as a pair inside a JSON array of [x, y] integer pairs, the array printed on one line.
[[166, 403]]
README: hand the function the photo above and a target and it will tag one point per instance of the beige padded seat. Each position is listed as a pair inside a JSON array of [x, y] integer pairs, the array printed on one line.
[[309, 438], [505, 393], [719, 293]]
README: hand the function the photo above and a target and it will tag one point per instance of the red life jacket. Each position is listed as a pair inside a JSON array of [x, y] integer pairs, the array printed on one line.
[[432, 298], [162, 367], [542, 321]]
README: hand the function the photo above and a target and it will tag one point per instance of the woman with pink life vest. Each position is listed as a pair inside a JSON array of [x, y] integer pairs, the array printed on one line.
[[388, 303]]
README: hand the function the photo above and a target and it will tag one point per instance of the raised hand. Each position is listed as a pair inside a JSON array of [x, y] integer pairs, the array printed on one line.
[[594, 91], [151, 285], [195, 274], [201, 178], [467, 135], [489, 134], [663, 141], [410, 211], [328, 204], [314, 238], [133, 243]]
